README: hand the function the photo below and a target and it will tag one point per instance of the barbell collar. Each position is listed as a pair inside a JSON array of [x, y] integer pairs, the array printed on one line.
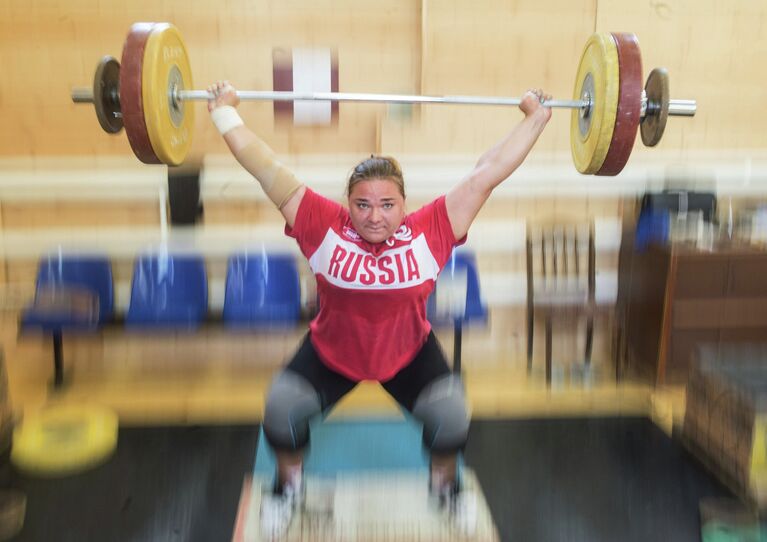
[[676, 108], [682, 108], [82, 95]]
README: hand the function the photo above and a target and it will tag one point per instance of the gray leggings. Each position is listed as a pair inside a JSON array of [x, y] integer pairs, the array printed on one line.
[[426, 388]]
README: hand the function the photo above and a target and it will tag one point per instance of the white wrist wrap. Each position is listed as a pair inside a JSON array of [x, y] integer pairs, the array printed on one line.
[[225, 118]]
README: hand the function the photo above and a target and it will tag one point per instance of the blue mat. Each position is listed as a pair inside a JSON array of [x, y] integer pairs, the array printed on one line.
[[355, 445]]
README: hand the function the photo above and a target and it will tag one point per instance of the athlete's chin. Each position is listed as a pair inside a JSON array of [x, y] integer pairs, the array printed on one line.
[[376, 235]]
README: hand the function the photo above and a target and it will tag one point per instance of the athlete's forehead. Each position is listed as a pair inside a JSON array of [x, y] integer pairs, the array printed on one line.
[[375, 190]]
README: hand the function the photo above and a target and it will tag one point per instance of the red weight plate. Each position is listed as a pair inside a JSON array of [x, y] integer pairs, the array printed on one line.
[[629, 104], [131, 103]]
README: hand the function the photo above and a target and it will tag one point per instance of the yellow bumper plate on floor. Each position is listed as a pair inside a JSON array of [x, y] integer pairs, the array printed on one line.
[[61, 440]]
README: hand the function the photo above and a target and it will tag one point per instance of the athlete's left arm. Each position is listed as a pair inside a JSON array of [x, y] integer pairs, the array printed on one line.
[[466, 199]]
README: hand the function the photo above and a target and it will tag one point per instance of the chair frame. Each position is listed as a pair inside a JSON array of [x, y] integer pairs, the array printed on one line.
[[548, 310]]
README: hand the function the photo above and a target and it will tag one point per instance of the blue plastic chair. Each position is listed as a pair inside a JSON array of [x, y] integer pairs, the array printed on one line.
[[262, 290], [652, 227], [475, 310], [168, 290], [61, 273]]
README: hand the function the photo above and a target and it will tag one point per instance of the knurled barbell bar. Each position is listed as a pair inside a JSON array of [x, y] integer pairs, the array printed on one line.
[[146, 93]]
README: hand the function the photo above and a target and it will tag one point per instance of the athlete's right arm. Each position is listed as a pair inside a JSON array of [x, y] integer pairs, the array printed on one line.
[[277, 181]]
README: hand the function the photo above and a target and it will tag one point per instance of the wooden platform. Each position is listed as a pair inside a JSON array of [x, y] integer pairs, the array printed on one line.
[[366, 479], [371, 506]]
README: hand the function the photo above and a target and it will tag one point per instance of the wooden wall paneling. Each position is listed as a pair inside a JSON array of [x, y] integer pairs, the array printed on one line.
[[493, 48], [714, 52], [488, 47], [3, 260], [231, 211], [374, 46], [77, 214]]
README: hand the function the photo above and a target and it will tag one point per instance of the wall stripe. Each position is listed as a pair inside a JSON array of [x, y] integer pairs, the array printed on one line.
[[304, 69]]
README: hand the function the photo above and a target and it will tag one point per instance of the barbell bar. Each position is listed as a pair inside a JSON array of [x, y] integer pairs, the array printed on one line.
[[146, 93], [679, 108]]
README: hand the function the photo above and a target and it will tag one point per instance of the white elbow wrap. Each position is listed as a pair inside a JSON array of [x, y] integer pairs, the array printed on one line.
[[278, 182], [225, 118]]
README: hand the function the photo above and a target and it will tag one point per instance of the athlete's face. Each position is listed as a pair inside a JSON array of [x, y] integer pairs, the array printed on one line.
[[377, 209]]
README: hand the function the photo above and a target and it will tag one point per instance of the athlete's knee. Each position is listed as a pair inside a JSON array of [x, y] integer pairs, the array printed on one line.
[[441, 407], [292, 401]]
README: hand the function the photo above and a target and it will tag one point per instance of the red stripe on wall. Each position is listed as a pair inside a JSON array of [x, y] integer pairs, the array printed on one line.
[[282, 81]]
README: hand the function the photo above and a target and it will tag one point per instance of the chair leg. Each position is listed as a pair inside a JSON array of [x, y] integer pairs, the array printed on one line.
[[530, 336], [58, 359], [619, 357], [457, 332], [589, 339], [548, 350]]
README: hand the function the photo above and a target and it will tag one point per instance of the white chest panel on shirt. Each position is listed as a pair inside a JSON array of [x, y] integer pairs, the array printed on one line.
[[346, 265]]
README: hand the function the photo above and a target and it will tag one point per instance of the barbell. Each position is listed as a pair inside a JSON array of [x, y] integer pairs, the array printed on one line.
[[147, 91]]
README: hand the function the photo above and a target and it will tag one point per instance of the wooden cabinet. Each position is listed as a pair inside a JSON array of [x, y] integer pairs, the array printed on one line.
[[679, 297]]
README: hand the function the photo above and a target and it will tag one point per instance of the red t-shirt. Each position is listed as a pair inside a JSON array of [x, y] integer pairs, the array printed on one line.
[[372, 297]]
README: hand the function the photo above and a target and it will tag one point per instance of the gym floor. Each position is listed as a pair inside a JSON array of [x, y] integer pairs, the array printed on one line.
[[588, 478]]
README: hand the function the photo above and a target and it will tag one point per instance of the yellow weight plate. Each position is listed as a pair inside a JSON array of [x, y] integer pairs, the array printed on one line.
[[166, 66], [61, 440], [598, 74]]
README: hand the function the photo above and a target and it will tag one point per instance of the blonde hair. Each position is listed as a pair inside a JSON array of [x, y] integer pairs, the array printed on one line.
[[377, 167]]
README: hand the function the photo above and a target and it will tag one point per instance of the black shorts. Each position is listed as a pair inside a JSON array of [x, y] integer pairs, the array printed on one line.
[[405, 386]]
